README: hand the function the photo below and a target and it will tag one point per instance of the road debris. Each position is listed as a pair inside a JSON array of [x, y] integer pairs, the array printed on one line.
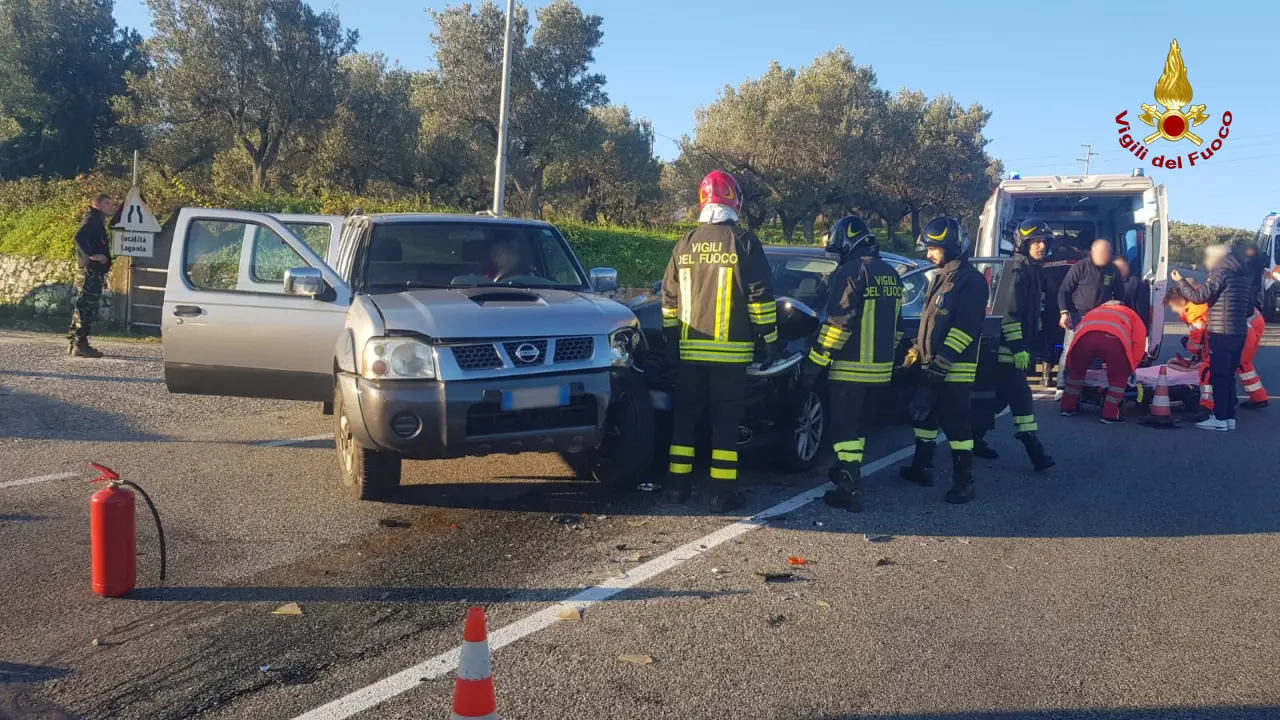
[[797, 561], [569, 612], [822, 603], [637, 659], [569, 520], [99, 642], [394, 523], [885, 562], [776, 577], [876, 538], [264, 668], [777, 620], [636, 523], [288, 609]]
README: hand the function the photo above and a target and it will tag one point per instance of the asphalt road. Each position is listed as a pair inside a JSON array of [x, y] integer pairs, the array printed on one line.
[[1135, 580]]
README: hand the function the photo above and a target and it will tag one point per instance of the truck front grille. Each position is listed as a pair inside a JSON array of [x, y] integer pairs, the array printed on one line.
[[526, 353], [488, 418], [477, 357], [575, 349]]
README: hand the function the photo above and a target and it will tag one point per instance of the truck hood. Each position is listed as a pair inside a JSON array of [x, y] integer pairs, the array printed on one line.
[[500, 312]]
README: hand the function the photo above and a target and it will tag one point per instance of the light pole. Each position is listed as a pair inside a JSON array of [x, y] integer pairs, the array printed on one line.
[[500, 169]]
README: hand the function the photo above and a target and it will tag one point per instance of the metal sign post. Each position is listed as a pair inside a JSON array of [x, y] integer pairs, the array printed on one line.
[[500, 171]]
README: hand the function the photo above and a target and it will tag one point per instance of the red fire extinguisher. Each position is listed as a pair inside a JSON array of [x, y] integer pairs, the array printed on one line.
[[113, 539]]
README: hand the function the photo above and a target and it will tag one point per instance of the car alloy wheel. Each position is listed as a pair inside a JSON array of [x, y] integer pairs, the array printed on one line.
[[809, 427], [346, 450]]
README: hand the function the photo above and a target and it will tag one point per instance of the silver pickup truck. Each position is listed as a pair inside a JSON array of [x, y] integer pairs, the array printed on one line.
[[426, 336]]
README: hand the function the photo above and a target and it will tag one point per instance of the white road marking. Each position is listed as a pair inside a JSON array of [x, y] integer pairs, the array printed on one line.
[[447, 662], [40, 479], [297, 441]]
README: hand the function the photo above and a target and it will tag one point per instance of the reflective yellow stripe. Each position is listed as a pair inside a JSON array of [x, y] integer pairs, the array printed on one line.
[[954, 344], [680, 468], [867, 339], [961, 445], [724, 473], [771, 337], [957, 339], [670, 322], [862, 377], [1025, 423], [819, 358], [736, 345], [849, 457], [760, 308], [858, 444], [724, 303], [964, 336], [927, 435], [686, 300], [681, 451], [670, 313], [730, 455], [705, 356]]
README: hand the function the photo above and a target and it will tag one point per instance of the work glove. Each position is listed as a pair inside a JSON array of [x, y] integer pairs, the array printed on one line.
[[1021, 360], [913, 357], [811, 374], [933, 375], [771, 354], [923, 402]]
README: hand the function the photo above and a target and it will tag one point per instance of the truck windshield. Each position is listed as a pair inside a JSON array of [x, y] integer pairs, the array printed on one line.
[[461, 254]]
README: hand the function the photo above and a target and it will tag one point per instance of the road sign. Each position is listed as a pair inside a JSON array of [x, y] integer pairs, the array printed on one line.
[[136, 231]]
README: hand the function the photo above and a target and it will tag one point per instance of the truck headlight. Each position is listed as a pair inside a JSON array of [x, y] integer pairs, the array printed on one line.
[[622, 346], [398, 358]]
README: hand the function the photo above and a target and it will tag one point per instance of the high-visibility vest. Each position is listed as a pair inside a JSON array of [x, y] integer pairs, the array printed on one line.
[[1119, 321], [1196, 316]]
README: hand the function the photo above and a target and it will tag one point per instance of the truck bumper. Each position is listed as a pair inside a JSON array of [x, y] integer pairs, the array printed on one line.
[[428, 420]]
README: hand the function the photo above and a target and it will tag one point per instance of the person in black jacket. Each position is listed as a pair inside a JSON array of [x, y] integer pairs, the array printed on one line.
[[1226, 291], [946, 349], [1256, 266], [717, 303], [1087, 286], [93, 253], [856, 344], [1134, 291], [1017, 300], [1063, 255]]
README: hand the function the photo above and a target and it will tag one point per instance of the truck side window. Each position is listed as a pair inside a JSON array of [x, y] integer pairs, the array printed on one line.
[[215, 251]]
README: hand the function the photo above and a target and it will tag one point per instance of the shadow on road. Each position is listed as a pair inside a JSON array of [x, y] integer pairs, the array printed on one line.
[[39, 417], [86, 378], [1269, 712], [391, 594], [17, 673]]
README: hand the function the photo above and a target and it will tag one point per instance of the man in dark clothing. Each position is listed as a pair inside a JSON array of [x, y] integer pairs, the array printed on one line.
[[946, 348], [717, 304], [93, 252], [1062, 256], [857, 344], [1134, 291], [1018, 302], [1256, 266], [1226, 291], [1087, 286]]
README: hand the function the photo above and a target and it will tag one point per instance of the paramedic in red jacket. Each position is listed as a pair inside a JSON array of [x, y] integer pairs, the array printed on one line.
[[1115, 334]]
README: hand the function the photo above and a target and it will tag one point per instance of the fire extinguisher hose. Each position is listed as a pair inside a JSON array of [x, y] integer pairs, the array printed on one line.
[[159, 528]]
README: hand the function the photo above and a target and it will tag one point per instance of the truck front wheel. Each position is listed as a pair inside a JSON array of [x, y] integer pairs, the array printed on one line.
[[370, 474], [625, 454]]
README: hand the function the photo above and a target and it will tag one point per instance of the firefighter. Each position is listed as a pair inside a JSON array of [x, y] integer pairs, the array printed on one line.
[[946, 349], [717, 303], [1116, 335], [1018, 302], [856, 345]]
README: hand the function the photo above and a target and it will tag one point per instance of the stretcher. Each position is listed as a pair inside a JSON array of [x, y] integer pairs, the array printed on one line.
[[1148, 376]]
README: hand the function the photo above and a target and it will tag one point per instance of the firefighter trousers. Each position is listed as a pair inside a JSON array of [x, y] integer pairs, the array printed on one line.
[[952, 414], [1013, 392], [702, 388], [849, 401]]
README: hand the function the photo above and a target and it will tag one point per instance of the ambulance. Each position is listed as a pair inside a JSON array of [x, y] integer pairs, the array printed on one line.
[[1269, 248]]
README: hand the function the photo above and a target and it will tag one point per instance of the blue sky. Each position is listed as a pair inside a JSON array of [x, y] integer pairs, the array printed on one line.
[[1053, 74]]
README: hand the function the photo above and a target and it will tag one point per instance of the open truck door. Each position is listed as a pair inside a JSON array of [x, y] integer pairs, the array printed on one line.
[[1156, 262], [250, 309]]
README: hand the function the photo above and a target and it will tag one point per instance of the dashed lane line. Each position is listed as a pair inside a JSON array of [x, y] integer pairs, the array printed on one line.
[[40, 479]]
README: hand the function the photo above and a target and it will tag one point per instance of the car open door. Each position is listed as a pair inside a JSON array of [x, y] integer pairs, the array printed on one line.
[[244, 314], [320, 232], [1156, 272]]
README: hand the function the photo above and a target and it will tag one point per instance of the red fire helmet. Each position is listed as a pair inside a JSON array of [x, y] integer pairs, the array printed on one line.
[[719, 188]]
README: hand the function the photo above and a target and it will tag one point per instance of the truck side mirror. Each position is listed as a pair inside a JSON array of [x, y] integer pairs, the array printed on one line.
[[604, 280], [305, 281]]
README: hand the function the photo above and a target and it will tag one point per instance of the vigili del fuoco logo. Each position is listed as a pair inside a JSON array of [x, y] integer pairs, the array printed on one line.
[[1174, 119]]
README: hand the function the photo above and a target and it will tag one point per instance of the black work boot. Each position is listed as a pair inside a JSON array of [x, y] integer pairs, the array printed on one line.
[[847, 477], [961, 490], [726, 497], [676, 488], [920, 471], [80, 348], [983, 450], [1040, 459]]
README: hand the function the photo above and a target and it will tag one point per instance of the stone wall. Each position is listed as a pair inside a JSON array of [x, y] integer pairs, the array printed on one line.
[[47, 287]]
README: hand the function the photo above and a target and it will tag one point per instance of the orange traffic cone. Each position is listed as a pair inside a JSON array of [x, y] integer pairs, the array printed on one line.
[[1160, 415], [473, 697]]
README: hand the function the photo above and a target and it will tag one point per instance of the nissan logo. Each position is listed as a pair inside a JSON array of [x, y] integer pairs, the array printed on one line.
[[528, 353]]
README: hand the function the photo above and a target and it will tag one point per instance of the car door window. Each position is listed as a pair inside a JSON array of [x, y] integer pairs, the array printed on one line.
[[315, 235], [992, 271], [914, 287], [232, 255]]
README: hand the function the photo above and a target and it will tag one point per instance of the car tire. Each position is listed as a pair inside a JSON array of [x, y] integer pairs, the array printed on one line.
[[626, 452], [369, 474], [808, 432]]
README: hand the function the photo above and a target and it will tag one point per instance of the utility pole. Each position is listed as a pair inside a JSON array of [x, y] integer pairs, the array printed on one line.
[[500, 169], [1088, 153]]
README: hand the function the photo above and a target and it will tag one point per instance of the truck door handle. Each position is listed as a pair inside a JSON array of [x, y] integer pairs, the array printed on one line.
[[187, 310]]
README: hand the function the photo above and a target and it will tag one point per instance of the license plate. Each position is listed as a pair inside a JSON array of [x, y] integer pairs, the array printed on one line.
[[529, 398]]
